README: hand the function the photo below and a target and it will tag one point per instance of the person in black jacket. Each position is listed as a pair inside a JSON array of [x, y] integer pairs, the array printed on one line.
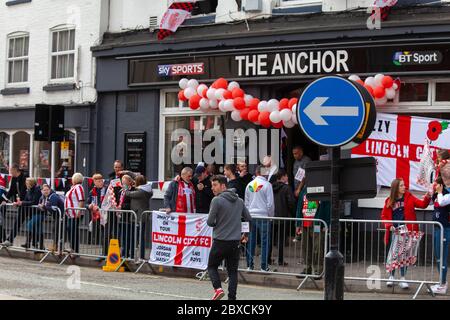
[[284, 208], [51, 204], [233, 182], [17, 188], [203, 191], [32, 196], [244, 176]]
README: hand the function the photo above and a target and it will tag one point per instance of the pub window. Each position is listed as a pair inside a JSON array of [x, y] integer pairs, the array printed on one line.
[[4, 152], [414, 92], [443, 91], [65, 157], [21, 150], [184, 143]]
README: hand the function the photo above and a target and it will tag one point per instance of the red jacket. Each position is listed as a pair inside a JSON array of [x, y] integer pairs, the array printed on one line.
[[411, 202]]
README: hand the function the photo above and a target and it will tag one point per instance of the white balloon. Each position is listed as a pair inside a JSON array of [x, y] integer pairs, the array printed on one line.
[[294, 109], [229, 105], [222, 106], [192, 84], [189, 92], [289, 124], [183, 83], [370, 81], [381, 102], [204, 103], [211, 93], [395, 86], [390, 93], [294, 118], [236, 115], [378, 79], [213, 104], [272, 105], [262, 106], [201, 88], [354, 77], [233, 85], [275, 116], [219, 94], [285, 114], [247, 99]]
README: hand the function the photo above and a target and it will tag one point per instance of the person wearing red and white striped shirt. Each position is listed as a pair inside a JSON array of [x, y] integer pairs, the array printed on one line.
[[74, 199]]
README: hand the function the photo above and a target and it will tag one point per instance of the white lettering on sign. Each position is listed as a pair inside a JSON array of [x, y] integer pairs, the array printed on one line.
[[292, 63], [315, 189]]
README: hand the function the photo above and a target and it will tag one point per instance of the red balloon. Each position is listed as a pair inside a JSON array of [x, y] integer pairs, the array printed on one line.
[[181, 96], [221, 83], [253, 115], [194, 102], [204, 93], [277, 125], [244, 113], [360, 82], [379, 92], [239, 103], [238, 93], [227, 95], [284, 104], [292, 102], [264, 118], [387, 82], [369, 89], [253, 105]]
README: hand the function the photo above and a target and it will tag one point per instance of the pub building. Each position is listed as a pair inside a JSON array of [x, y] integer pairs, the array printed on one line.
[[277, 57]]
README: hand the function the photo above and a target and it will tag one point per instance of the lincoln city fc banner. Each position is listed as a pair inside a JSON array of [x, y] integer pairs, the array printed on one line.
[[182, 240], [397, 142]]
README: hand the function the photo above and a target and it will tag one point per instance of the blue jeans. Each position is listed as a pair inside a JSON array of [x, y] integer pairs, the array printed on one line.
[[263, 228], [437, 251], [34, 227]]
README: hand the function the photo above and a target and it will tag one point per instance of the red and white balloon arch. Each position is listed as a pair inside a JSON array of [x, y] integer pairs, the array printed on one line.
[[229, 97]]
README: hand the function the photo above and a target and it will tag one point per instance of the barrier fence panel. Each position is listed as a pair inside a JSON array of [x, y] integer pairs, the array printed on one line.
[[89, 234], [31, 228], [372, 255], [286, 246], [145, 239]]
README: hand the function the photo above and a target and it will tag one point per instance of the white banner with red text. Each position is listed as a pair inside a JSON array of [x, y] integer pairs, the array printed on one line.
[[397, 143], [181, 240]]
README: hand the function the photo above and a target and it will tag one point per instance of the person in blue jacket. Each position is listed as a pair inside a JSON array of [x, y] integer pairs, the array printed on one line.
[[52, 204]]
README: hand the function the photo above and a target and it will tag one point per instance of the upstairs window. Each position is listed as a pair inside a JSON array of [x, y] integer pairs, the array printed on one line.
[[17, 59], [63, 54], [205, 7]]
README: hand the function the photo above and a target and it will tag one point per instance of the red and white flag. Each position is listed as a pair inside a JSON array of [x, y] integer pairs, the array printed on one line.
[[397, 142], [174, 17]]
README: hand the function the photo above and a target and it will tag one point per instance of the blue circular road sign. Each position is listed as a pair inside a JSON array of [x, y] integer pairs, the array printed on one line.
[[331, 111]]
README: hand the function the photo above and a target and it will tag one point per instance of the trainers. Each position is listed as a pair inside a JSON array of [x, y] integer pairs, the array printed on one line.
[[403, 284], [250, 268], [218, 294], [390, 283], [265, 270], [6, 243], [439, 289]]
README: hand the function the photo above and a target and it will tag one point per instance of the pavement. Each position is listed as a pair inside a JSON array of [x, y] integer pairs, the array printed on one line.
[[27, 279]]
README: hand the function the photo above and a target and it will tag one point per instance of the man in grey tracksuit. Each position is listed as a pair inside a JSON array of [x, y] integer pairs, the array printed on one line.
[[225, 215]]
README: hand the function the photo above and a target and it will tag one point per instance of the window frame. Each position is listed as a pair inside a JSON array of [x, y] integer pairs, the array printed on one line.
[[52, 54], [292, 3], [9, 37], [171, 113]]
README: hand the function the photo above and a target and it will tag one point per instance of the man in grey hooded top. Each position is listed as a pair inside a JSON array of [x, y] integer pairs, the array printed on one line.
[[225, 216]]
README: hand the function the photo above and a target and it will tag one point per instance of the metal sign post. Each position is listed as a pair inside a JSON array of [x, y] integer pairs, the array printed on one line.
[[334, 112]]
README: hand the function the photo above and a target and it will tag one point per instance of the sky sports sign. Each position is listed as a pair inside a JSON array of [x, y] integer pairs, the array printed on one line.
[[186, 69], [409, 58]]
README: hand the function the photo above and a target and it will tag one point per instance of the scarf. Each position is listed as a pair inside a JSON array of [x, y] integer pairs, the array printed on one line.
[[309, 211], [186, 197]]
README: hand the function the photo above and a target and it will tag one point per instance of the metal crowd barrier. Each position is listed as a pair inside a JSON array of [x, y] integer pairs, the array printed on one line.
[[144, 239], [274, 244], [89, 236], [365, 252], [31, 228]]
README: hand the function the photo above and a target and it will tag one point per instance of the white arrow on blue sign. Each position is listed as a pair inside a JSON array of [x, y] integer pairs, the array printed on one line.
[[331, 111]]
